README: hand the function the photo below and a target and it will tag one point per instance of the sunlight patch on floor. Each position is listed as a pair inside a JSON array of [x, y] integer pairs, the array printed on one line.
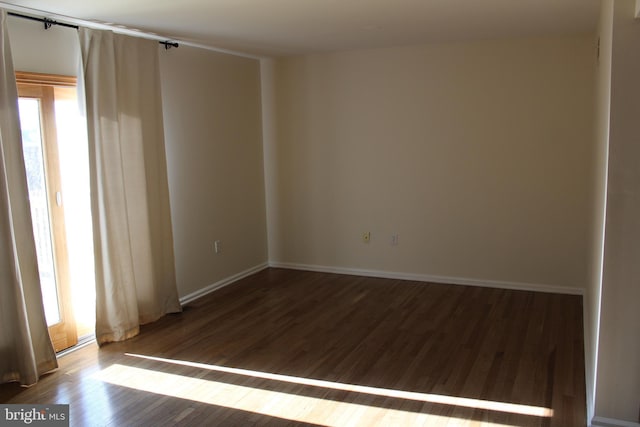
[[288, 406], [512, 408]]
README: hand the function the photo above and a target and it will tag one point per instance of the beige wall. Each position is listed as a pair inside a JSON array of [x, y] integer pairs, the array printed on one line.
[[269, 145], [214, 149], [478, 155], [53, 51], [212, 121], [602, 108], [618, 374]]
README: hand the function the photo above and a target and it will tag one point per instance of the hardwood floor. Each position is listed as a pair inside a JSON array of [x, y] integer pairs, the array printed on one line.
[[286, 347]]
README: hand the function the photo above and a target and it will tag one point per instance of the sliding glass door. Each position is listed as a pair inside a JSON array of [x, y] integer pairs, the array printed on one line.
[[54, 134]]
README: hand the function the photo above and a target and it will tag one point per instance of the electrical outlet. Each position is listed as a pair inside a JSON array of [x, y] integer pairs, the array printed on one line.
[[217, 246], [366, 237]]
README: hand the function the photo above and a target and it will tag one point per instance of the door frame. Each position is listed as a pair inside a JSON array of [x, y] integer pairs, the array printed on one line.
[[42, 87]]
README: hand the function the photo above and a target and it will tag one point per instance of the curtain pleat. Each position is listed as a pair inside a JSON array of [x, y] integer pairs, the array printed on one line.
[[26, 351], [135, 273]]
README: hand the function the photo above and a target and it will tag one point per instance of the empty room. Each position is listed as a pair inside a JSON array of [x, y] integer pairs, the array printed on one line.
[[409, 213]]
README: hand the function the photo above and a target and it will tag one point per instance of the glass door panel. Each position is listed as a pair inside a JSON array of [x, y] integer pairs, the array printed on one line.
[[32, 148]]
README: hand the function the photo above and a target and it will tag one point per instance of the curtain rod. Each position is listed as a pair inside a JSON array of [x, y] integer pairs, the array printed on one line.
[[12, 8], [50, 22]]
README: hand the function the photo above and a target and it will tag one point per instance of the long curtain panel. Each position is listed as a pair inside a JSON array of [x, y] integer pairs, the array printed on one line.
[[26, 351], [135, 273]]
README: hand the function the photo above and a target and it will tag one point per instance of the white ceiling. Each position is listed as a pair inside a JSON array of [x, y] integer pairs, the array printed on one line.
[[281, 27]]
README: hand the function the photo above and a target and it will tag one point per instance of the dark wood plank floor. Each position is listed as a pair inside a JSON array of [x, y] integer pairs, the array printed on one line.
[[460, 352]]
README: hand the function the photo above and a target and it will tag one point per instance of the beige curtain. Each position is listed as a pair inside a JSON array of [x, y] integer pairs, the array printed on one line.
[[25, 348], [135, 273]]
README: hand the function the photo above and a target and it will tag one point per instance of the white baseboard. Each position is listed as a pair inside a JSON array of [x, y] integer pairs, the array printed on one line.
[[222, 283], [611, 422], [431, 278]]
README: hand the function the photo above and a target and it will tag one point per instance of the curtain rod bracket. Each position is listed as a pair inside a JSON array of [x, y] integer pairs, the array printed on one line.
[[48, 23], [169, 44]]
